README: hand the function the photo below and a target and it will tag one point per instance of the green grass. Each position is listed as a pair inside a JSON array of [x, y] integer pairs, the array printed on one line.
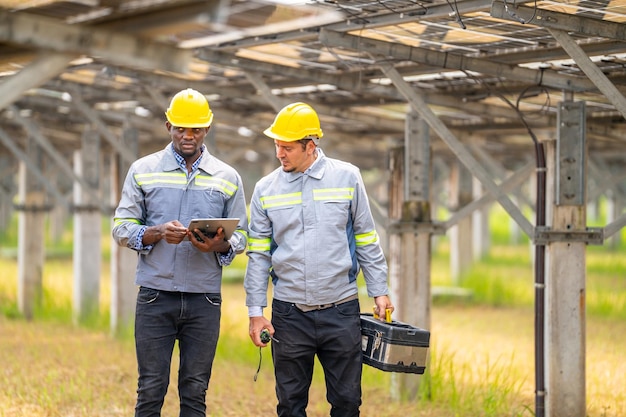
[[494, 394], [464, 378], [505, 276]]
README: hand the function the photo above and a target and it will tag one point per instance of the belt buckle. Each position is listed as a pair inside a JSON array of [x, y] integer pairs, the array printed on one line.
[[306, 308]]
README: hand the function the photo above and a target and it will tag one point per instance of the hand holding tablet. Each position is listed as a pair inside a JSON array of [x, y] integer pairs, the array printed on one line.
[[209, 226]]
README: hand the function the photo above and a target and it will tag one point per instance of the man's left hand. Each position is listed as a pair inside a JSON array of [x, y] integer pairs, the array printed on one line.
[[205, 243], [383, 303]]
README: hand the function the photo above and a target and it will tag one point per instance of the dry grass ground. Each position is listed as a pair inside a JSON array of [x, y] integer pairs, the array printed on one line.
[[57, 370]]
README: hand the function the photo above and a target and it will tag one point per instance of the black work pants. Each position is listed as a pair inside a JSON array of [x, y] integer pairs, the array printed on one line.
[[334, 335], [161, 318]]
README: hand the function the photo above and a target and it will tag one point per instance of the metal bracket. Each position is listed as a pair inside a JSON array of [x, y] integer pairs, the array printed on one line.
[[417, 227], [571, 154], [33, 208], [84, 208], [591, 235]]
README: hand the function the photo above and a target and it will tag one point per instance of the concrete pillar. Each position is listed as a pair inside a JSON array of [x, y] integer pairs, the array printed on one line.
[[31, 237], [7, 189], [60, 214], [58, 219], [410, 240], [460, 235], [481, 236], [566, 267], [87, 230], [123, 260], [614, 207]]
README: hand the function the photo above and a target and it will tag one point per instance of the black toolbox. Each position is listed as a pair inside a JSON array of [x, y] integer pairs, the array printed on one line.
[[393, 346]]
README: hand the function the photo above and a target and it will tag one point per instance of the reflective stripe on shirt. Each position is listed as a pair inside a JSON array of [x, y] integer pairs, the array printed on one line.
[[333, 194], [155, 178], [290, 199], [206, 180]]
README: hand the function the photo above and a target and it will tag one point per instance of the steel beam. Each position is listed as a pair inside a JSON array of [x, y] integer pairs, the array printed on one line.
[[455, 146]]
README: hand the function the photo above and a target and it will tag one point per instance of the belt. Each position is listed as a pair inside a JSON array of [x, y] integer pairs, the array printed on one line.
[[306, 308]]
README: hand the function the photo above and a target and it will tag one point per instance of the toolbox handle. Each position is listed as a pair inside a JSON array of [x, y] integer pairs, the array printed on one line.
[[387, 314]]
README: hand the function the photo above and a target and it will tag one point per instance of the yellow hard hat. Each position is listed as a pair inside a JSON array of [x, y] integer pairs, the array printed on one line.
[[294, 122], [189, 108]]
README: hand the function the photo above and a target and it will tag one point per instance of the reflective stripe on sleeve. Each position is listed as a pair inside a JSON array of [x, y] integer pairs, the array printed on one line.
[[259, 245], [120, 221], [366, 238]]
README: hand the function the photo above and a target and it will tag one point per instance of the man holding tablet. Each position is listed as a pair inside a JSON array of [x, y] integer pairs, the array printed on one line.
[[179, 273]]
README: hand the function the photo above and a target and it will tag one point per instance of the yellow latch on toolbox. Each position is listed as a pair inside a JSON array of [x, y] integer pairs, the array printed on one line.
[[387, 314]]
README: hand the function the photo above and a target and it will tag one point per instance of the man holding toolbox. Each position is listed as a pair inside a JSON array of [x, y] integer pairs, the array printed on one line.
[[311, 231]]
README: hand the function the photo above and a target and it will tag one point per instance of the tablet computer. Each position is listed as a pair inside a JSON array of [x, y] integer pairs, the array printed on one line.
[[209, 226]]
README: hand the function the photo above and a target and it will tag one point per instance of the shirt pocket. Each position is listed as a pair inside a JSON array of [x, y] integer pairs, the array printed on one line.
[[208, 202], [282, 214], [333, 214]]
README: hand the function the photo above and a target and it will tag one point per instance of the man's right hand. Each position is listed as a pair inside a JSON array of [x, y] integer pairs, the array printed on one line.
[[257, 324], [172, 232]]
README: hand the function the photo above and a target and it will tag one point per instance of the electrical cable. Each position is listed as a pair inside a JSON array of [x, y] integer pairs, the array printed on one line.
[[258, 369], [540, 251], [265, 338], [455, 12], [516, 17]]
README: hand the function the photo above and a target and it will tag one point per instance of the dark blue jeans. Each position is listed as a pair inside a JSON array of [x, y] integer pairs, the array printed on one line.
[[334, 335], [161, 318]]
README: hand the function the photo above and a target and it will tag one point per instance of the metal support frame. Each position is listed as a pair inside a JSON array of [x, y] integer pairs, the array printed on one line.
[[592, 235], [419, 105], [7, 141], [434, 228], [571, 151]]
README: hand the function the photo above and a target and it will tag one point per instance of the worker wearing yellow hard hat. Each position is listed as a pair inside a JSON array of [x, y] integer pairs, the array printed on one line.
[[189, 108], [295, 122], [179, 272], [311, 230]]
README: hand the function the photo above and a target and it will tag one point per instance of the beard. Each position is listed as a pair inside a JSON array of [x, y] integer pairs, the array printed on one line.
[[286, 169]]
